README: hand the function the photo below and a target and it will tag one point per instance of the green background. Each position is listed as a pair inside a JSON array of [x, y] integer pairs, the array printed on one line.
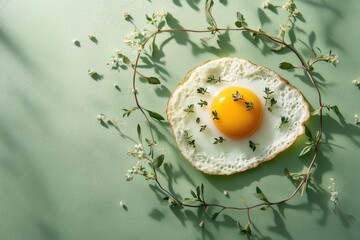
[[62, 173]]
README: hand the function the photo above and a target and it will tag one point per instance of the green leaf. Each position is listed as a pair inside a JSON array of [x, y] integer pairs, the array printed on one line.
[[193, 194], [159, 161], [260, 195], [209, 18], [316, 112], [148, 18], [308, 133], [198, 191], [202, 191], [305, 150], [153, 80], [117, 87], [244, 231], [286, 66], [126, 61], [239, 24], [155, 115], [240, 20]]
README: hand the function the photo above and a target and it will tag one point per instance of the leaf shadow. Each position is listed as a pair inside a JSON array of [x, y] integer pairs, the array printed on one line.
[[280, 226], [224, 48], [337, 11], [97, 76]]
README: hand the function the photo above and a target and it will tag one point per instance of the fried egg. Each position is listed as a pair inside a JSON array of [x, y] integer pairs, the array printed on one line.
[[229, 115]]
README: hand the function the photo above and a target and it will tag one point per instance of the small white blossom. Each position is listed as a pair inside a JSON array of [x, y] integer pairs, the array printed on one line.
[[267, 4], [356, 82], [132, 40], [126, 15], [114, 61], [333, 58], [334, 194], [101, 117], [91, 72], [282, 30], [134, 91], [137, 151], [160, 14], [357, 119], [129, 177], [290, 7], [287, 6]]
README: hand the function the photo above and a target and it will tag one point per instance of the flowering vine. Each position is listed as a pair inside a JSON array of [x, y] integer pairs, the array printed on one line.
[[147, 164]]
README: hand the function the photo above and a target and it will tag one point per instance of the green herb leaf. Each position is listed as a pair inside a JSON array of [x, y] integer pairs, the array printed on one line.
[[159, 161], [202, 192], [253, 145], [215, 115], [249, 106], [305, 150], [308, 133], [260, 195], [198, 192], [219, 140], [193, 194], [153, 80], [286, 66], [244, 231], [209, 18], [127, 112], [155, 115], [240, 23], [117, 87]]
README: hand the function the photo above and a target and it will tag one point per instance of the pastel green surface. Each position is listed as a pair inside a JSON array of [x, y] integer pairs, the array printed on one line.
[[62, 173]]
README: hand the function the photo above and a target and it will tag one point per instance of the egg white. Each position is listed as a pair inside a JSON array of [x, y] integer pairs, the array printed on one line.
[[234, 156]]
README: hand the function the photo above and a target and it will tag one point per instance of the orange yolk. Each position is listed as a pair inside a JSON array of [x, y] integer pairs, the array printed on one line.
[[240, 118]]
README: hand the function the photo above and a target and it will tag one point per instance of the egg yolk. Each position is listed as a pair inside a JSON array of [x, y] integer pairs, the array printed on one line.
[[236, 112]]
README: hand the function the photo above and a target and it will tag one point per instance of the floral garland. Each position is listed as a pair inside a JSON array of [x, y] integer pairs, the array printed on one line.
[[148, 164]]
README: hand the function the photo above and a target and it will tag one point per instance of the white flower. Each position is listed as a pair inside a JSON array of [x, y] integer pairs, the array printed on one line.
[[129, 177], [137, 151], [126, 15], [288, 5], [91, 72], [134, 91], [356, 82], [282, 30], [160, 14], [131, 40], [333, 58]]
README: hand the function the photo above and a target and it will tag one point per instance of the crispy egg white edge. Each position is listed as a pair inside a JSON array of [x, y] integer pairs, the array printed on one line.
[[217, 163]]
